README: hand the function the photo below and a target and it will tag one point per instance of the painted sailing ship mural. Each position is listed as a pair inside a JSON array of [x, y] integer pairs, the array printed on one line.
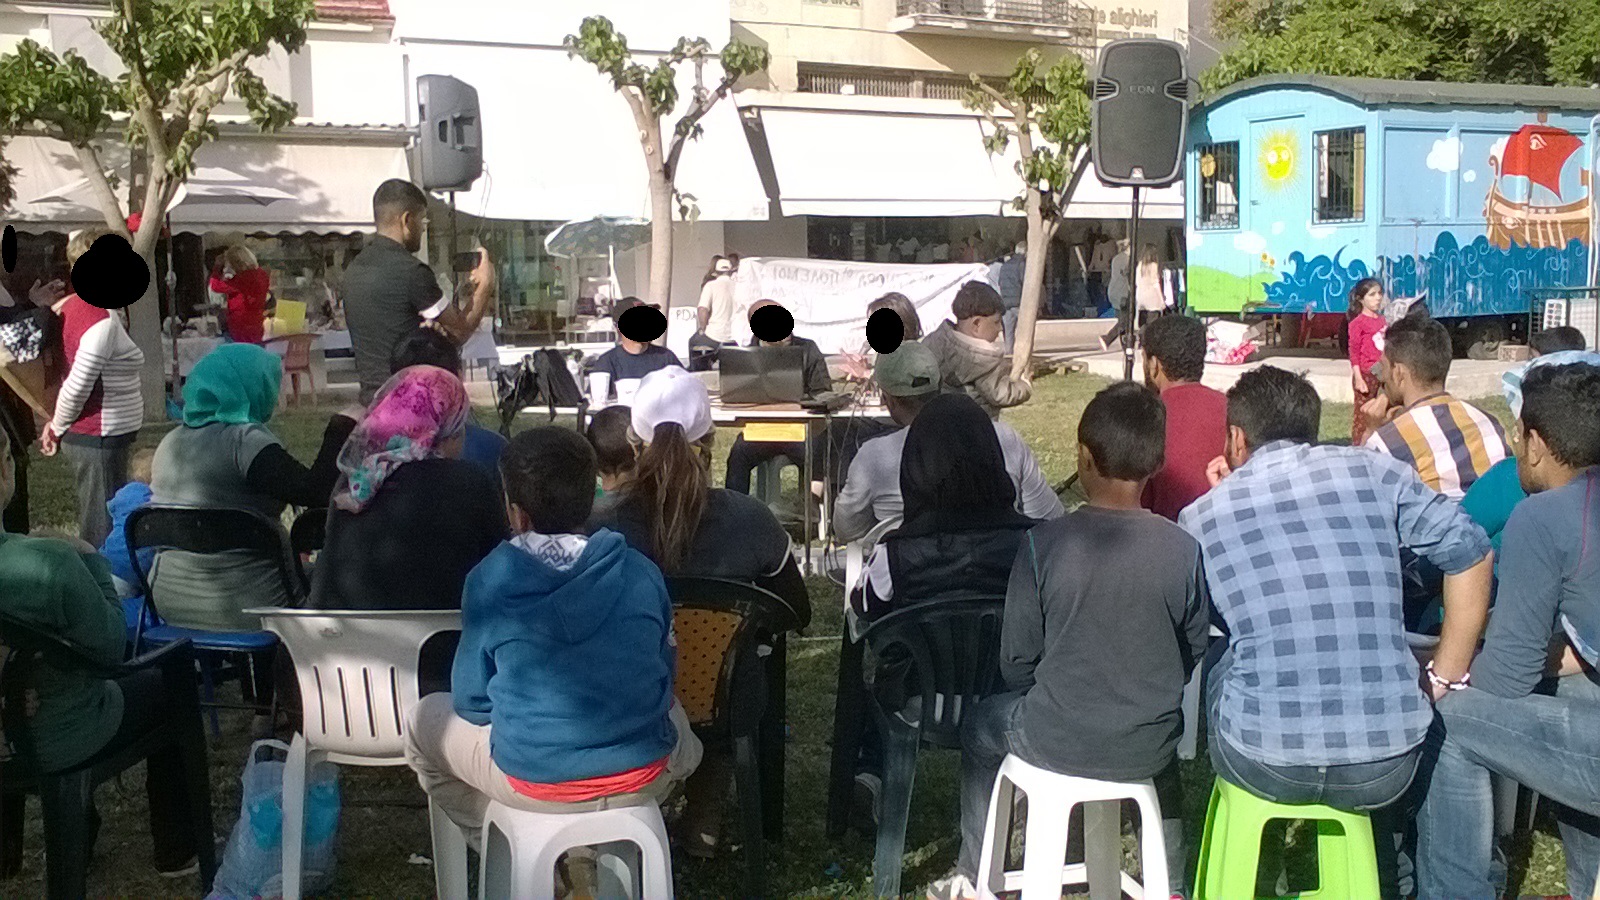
[[1515, 213]]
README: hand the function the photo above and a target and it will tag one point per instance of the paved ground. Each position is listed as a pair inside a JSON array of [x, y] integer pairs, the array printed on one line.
[[1469, 378]]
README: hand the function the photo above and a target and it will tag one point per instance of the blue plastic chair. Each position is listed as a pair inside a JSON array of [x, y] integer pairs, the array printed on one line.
[[210, 530]]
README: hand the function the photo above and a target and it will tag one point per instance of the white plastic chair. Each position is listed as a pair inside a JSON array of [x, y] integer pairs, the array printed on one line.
[[1193, 690], [1051, 797], [358, 679], [520, 850], [855, 555]]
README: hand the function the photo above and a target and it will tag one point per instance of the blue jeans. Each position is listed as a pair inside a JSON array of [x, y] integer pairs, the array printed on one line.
[[1371, 787], [1008, 321], [1549, 743], [989, 732]]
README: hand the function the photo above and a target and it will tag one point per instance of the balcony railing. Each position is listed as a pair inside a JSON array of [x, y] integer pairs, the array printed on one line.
[[1054, 13]]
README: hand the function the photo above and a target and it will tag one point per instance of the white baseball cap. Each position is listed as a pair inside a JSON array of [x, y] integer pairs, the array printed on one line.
[[672, 395]]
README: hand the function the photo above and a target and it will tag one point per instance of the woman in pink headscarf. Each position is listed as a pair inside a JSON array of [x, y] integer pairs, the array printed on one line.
[[409, 518]]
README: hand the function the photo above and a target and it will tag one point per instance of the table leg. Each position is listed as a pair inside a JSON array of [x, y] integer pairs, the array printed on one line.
[[805, 501]]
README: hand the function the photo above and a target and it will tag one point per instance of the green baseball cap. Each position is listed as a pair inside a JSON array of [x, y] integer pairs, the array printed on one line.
[[910, 371]]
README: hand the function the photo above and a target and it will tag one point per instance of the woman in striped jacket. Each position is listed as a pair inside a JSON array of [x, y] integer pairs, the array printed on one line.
[[99, 409]]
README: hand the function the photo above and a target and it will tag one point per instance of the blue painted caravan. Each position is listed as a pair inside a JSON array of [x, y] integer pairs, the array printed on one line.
[[1469, 196]]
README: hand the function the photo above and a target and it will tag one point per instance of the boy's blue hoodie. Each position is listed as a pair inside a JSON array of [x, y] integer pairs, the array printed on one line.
[[129, 497], [573, 669]]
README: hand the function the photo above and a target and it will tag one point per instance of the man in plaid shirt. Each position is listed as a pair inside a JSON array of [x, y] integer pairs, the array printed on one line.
[[1317, 697]]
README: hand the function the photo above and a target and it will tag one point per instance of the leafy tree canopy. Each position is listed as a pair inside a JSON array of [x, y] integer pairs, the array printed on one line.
[[1491, 41]]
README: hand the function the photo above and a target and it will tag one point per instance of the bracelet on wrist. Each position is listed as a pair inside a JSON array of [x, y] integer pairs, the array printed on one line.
[[1438, 680]]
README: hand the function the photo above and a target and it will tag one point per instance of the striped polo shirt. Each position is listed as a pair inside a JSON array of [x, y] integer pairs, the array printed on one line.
[[1448, 442]]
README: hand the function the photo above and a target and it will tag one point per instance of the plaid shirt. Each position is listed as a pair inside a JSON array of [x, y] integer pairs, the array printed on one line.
[[1448, 442], [1302, 554]]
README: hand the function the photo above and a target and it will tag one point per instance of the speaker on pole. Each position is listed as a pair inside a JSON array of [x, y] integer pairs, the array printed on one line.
[[1140, 117], [450, 142]]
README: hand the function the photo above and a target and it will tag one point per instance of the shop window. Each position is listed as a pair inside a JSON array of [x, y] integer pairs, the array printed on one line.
[[1219, 186], [1341, 175]]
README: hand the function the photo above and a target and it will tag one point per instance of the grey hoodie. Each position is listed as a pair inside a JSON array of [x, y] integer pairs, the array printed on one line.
[[979, 369]]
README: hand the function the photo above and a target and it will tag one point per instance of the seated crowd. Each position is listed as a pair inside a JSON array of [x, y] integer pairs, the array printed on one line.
[[1200, 510]]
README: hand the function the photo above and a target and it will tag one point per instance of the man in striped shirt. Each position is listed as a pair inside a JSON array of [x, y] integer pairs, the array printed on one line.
[[99, 409], [1448, 442]]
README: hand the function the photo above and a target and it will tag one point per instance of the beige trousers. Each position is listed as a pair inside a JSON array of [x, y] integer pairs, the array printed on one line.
[[451, 758]]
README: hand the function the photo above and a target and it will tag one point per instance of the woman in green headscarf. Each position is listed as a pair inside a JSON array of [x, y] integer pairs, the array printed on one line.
[[223, 455]]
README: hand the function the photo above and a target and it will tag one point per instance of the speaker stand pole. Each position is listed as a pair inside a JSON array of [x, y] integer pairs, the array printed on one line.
[[1130, 313], [455, 277]]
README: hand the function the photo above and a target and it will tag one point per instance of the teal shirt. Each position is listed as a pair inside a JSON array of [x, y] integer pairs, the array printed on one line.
[[48, 584], [1492, 497]]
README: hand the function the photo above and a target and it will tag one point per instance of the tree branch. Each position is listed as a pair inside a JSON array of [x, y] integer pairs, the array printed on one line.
[[204, 78], [89, 162], [1000, 99], [696, 112], [144, 101]]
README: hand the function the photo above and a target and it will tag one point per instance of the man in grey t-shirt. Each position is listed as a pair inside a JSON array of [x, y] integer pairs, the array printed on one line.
[[388, 292], [909, 378]]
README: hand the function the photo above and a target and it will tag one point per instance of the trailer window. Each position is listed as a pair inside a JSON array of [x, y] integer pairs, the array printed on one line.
[[1219, 185], [1341, 175]]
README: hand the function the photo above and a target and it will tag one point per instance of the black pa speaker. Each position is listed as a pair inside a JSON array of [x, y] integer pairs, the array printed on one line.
[[1141, 116], [450, 145]]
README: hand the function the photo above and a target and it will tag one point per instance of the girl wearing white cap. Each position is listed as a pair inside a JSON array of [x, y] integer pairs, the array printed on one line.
[[673, 515]]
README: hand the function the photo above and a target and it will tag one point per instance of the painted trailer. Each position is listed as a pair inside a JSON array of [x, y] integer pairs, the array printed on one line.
[[1474, 198]]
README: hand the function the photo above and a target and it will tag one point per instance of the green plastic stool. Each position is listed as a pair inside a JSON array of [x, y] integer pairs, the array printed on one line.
[[1230, 851]]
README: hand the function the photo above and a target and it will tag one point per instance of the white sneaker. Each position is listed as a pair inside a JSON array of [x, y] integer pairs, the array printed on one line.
[[954, 886]]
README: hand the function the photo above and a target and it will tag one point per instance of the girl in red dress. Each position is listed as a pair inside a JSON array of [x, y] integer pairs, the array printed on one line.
[[1366, 329]]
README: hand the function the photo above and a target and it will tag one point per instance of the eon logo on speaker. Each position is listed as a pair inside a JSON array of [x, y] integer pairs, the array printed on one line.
[[1148, 89]]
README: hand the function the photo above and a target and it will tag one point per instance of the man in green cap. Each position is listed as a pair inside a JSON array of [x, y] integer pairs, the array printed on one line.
[[909, 378]]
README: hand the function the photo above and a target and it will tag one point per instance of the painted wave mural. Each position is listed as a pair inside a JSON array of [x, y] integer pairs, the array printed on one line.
[[1477, 279]]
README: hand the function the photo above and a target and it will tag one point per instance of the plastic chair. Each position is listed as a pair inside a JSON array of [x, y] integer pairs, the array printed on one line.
[[1051, 797], [953, 647], [358, 680], [212, 530], [520, 850], [297, 361], [1230, 851], [1189, 740], [725, 627], [65, 795]]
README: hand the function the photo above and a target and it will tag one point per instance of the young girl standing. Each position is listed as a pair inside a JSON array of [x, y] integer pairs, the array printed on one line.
[[1366, 346]]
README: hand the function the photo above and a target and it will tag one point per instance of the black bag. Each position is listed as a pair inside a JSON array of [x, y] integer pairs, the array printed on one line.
[[541, 378]]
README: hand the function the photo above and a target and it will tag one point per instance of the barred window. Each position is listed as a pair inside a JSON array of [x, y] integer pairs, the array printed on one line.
[[1219, 186], [1341, 175]]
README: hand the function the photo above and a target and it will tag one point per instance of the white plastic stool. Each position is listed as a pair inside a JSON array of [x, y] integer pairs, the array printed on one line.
[[520, 849], [1051, 798]]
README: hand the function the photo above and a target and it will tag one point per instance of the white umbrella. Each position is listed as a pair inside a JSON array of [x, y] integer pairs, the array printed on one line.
[[75, 200]]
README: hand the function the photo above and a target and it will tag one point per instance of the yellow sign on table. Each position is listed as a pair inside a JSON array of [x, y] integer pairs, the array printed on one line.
[[775, 432]]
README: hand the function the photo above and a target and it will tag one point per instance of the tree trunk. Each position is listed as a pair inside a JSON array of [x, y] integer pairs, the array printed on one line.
[[661, 241], [1039, 234], [144, 326]]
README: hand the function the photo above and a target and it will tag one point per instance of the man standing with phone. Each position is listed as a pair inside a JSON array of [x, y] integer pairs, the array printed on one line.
[[388, 292]]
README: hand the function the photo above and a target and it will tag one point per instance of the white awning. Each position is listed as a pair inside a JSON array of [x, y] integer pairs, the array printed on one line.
[[570, 150], [1094, 199], [872, 163], [295, 185]]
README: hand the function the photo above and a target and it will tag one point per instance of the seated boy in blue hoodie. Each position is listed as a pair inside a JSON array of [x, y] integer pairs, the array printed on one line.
[[562, 696]]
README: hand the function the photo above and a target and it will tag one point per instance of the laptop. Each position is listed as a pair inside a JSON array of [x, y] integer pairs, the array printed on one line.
[[758, 376]]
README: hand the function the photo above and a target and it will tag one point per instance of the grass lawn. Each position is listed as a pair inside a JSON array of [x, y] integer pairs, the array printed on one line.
[[384, 833]]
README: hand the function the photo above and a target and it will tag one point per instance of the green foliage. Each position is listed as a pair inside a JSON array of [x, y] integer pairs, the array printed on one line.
[[61, 93], [182, 58], [1054, 102], [600, 44], [1494, 41]]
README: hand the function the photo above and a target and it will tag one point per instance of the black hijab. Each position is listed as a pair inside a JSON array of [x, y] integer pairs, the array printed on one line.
[[953, 473]]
